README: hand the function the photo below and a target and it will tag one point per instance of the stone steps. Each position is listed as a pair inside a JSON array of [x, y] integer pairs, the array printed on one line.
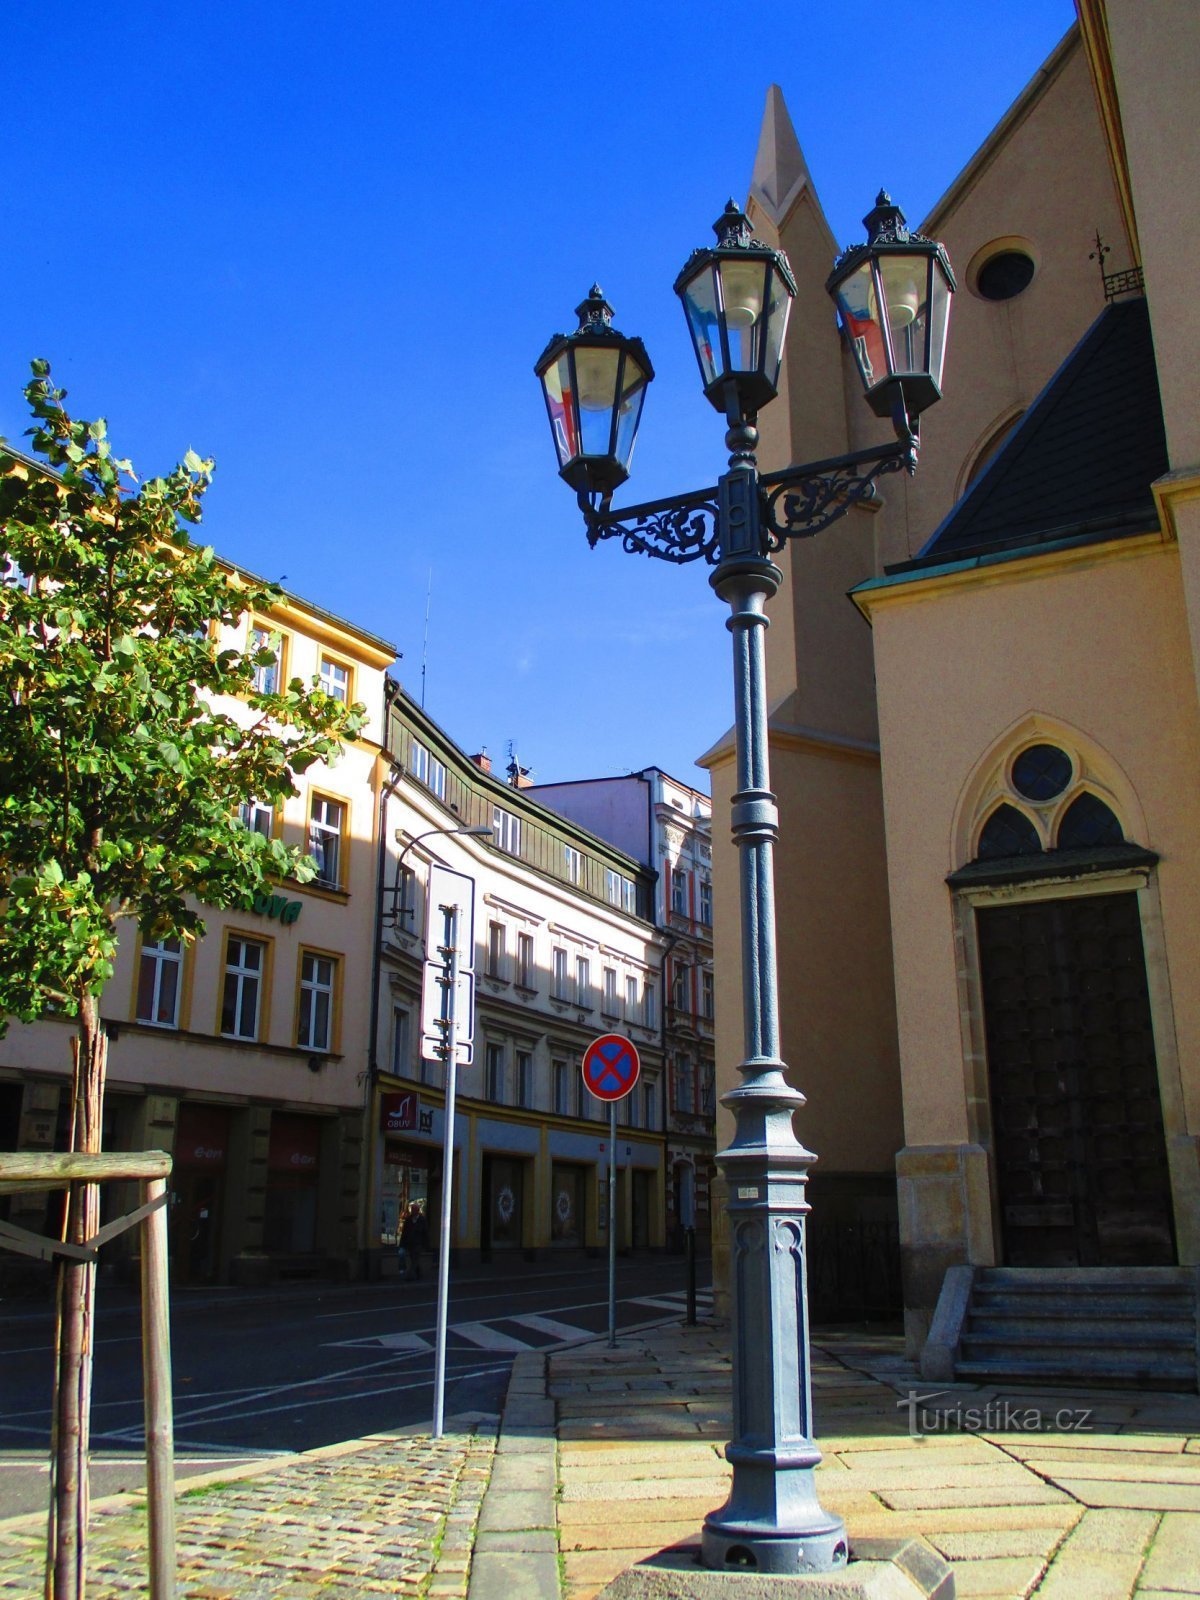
[[1110, 1325]]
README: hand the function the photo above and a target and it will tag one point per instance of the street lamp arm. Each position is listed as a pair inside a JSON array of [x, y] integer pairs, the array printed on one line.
[[795, 503], [679, 529], [803, 500]]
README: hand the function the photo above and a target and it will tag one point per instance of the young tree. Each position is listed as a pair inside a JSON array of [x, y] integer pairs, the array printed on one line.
[[129, 738]]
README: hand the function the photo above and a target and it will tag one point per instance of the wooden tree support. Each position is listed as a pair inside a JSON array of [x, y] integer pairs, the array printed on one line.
[[151, 1169]]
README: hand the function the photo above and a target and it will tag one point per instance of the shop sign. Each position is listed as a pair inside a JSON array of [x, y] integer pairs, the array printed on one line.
[[295, 1144], [277, 908], [201, 1135], [400, 1113]]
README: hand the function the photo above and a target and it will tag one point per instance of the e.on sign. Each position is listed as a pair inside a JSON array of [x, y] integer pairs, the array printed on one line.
[[295, 1143]]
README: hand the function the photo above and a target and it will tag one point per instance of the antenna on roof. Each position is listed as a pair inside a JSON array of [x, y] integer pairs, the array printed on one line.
[[425, 641], [518, 776]]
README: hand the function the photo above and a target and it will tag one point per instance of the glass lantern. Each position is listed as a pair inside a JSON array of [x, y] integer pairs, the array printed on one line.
[[594, 382], [893, 300], [737, 296]]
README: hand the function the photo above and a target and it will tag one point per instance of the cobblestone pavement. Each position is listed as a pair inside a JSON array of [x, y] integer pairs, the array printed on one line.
[[1018, 1489], [391, 1515]]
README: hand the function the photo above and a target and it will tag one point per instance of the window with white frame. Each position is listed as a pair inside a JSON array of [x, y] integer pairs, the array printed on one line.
[[706, 994], [241, 997], [562, 1088], [583, 981], [679, 891], [631, 998], [559, 990], [706, 902], [525, 961], [427, 769], [629, 896], [572, 863], [496, 950], [525, 1079], [326, 822], [335, 679], [267, 674], [612, 886], [495, 1074], [401, 1041], [314, 1027], [160, 982], [609, 1002], [258, 816], [507, 830], [649, 1006]]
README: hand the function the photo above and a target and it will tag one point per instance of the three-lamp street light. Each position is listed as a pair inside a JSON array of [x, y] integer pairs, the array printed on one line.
[[893, 300]]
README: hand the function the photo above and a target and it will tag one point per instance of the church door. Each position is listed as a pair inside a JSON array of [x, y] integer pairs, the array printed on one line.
[[1077, 1126]]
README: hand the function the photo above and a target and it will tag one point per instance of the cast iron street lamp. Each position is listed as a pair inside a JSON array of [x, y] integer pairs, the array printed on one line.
[[893, 298]]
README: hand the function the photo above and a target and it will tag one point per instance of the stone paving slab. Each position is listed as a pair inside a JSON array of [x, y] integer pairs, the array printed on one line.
[[1049, 1516]]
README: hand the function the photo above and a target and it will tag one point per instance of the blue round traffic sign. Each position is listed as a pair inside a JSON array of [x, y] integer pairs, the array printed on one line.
[[611, 1066]]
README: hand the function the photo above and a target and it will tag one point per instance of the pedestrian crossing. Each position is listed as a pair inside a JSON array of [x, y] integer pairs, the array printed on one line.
[[530, 1330]]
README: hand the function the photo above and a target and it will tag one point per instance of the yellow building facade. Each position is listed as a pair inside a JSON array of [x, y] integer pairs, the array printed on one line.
[[242, 1056]]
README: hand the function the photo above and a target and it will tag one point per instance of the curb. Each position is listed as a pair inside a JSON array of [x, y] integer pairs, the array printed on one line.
[[516, 1538]]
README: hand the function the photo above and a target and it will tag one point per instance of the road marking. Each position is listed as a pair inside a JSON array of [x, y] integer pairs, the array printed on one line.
[[666, 1302], [556, 1330], [400, 1341], [488, 1338]]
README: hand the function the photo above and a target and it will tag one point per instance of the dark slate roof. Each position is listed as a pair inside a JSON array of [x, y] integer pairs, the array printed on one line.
[[1081, 460]]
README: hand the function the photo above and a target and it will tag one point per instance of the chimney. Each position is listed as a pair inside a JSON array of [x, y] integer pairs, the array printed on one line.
[[482, 760]]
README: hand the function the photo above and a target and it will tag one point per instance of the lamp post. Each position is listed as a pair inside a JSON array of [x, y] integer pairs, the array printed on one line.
[[893, 298]]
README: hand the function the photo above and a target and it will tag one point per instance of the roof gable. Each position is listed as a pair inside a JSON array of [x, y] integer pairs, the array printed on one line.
[[1081, 460]]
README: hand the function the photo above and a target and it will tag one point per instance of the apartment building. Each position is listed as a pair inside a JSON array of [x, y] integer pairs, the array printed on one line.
[[667, 826], [565, 949], [242, 1055]]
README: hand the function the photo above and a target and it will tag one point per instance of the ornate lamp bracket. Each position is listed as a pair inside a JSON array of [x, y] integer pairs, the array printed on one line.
[[801, 501], [793, 504]]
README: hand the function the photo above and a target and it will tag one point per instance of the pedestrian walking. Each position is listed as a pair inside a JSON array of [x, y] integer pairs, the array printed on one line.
[[414, 1238]]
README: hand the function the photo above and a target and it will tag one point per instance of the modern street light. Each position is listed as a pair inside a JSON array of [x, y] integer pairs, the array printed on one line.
[[893, 298]]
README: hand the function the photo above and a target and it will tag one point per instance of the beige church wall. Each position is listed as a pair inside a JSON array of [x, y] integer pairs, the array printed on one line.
[[836, 995], [961, 664], [1044, 182], [1155, 66]]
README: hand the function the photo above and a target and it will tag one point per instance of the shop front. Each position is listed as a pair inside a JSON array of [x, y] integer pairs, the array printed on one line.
[[293, 1184], [568, 1209], [198, 1191]]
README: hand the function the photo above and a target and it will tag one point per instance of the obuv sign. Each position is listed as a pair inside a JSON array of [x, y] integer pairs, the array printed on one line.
[[276, 907]]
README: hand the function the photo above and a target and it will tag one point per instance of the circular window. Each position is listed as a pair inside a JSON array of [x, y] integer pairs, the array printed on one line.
[[1041, 772], [1005, 275]]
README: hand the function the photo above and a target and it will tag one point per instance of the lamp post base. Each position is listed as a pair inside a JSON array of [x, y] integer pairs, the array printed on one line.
[[731, 1546]]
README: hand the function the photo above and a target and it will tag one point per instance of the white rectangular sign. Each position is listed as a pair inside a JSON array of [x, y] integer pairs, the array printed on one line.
[[448, 891], [433, 1001]]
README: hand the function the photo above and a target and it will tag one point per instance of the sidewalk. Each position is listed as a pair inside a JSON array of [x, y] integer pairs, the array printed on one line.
[[604, 1458], [1077, 1515]]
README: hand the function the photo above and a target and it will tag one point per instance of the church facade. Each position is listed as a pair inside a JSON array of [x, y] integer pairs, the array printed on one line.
[[985, 724]]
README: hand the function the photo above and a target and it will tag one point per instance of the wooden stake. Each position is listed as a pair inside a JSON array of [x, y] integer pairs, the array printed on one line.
[[156, 1391]]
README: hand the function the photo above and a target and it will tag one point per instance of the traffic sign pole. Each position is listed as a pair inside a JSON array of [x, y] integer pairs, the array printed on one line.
[[450, 953], [611, 1067], [612, 1224]]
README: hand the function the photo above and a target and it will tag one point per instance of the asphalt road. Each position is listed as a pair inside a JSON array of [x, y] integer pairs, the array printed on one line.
[[269, 1372]]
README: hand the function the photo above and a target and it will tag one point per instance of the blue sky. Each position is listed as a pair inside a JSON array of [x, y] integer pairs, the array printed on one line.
[[325, 244]]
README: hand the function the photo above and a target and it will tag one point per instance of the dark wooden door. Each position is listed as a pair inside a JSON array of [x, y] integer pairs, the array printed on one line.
[[1077, 1124]]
